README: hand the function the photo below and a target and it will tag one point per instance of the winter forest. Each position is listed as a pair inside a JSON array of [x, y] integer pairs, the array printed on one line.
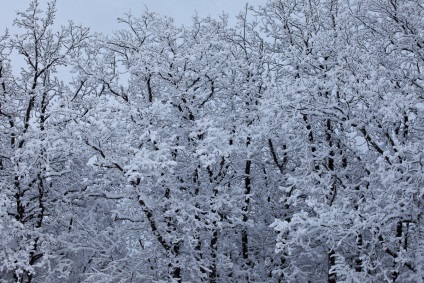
[[286, 148]]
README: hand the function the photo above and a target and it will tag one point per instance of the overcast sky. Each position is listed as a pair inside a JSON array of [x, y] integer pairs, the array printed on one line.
[[100, 15]]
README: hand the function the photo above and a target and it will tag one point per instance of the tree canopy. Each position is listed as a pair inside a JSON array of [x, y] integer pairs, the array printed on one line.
[[287, 148]]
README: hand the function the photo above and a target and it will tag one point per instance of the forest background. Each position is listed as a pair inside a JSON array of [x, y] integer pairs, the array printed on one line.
[[287, 147]]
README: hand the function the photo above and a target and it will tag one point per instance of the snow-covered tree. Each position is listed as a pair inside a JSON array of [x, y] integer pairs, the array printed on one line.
[[350, 74], [287, 148], [38, 165]]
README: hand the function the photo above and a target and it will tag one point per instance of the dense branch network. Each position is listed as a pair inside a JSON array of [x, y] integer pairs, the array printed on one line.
[[286, 148]]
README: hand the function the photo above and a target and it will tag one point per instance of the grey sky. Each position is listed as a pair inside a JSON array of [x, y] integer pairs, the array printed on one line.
[[100, 15]]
